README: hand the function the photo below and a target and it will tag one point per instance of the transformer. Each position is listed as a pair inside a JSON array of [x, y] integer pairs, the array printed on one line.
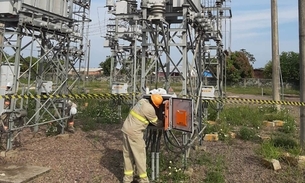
[[12, 7]]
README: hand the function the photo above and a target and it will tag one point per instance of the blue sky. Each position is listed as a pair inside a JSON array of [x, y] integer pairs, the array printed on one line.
[[251, 29]]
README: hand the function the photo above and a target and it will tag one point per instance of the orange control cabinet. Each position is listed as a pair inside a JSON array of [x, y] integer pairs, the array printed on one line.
[[178, 114], [166, 115]]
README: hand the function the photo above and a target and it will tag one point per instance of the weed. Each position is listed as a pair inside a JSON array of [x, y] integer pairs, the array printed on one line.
[[285, 142], [215, 166], [270, 117], [52, 129], [242, 115], [257, 90], [172, 169], [203, 159], [248, 134], [100, 112], [268, 150], [214, 177]]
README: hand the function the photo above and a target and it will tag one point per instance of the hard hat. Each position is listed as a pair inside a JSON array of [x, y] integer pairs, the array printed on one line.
[[156, 99], [73, 111]]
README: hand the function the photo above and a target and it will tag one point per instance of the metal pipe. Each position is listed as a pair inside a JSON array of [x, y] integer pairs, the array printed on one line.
[[135, 67], [158, 153], [157, 165], [153, 150], [152, 165]]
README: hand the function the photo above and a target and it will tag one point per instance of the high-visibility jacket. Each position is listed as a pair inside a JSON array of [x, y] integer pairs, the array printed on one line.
[[139, 117]]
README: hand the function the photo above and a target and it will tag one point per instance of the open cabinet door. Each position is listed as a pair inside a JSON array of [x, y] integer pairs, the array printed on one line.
[[181, 114]]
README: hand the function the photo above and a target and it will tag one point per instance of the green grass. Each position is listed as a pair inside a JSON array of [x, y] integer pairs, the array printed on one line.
[[215, 166], [258, 90], [248, 134], [100, 112], [269, 151], [277, 145], [251, 116]]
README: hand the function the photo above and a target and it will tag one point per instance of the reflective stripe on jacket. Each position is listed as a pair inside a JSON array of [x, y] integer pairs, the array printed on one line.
[[139, 117]]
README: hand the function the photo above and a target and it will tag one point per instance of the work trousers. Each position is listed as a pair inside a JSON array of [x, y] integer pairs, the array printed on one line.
[[134, 153]]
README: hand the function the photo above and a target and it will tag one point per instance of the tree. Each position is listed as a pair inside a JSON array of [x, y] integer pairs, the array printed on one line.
[[238, 66], [26, 62], [250, 56], [106, 65], [289, 65]]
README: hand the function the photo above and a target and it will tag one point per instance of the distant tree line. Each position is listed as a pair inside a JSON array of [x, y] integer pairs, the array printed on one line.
[[289, 67], [238, 66]]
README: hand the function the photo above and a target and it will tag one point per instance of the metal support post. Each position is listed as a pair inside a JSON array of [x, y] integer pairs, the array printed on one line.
[[160, 132], [14, 87], [184, 72], [153, 153], [144, 50], [2, 26]]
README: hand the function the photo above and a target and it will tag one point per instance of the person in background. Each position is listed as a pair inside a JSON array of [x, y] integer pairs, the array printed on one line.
[[71, 109]]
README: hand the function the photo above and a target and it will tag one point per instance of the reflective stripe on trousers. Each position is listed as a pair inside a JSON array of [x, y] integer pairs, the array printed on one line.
[[128, 173], [143, 175]]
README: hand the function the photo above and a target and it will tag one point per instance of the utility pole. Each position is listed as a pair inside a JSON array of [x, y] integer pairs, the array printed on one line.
[[88, 58], [1, 40], [275, 53], [302, 68]]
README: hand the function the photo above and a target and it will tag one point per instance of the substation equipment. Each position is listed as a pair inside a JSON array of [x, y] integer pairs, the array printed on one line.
[[54, 32], [150, 41]]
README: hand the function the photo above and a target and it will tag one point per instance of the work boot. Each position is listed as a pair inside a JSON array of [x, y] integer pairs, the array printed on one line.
[[4, 128], [144, 180], [127, 179], [71, 129], [136, 178]]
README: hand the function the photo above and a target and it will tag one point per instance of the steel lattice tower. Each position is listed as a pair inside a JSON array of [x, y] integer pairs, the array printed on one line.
[[55, 33], [186, 37]]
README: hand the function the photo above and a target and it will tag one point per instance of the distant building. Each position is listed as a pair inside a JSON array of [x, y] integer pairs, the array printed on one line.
[[259, 73], [175, 71], [91, 71]]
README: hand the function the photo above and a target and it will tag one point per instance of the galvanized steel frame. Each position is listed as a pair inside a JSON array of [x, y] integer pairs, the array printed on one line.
[[62, 49]]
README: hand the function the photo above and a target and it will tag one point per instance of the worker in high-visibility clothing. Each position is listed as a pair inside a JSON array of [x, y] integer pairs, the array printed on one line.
[[134, 151]]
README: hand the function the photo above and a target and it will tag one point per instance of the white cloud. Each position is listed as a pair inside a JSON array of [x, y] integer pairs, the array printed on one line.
[[251, 28], [249, 22]]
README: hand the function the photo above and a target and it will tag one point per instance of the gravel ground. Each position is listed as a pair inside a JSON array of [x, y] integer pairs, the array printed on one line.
[[96, 157]]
